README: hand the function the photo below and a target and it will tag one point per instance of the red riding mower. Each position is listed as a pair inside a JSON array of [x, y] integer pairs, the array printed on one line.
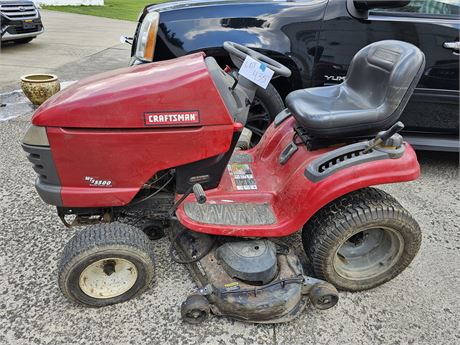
[[156, 143]]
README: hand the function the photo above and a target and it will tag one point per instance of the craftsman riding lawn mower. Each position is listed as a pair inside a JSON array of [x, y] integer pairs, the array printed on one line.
[[156, 144]]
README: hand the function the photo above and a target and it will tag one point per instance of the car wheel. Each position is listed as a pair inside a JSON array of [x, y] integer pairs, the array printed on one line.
[[361, 240], [266, 105], [106, 264]]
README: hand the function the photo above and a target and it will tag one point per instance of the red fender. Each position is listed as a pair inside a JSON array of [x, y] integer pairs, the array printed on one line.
[[293, 197]]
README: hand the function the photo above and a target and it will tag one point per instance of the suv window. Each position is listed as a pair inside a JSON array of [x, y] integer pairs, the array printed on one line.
[[450, 8]]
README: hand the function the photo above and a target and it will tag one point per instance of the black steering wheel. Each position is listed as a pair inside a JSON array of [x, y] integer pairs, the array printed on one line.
[[241, 52]]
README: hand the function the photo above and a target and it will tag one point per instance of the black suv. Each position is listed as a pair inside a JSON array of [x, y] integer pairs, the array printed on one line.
[[317, 39], [19, 21]]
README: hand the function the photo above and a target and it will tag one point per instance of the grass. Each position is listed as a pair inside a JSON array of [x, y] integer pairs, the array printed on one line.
[[116, 9]]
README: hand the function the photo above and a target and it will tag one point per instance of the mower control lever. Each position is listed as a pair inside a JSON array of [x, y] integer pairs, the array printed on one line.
[[199, 193], [200, 196], [393, 130], [381, 137]]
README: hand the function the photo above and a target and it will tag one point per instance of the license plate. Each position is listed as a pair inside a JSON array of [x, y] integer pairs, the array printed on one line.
[[28, 25]]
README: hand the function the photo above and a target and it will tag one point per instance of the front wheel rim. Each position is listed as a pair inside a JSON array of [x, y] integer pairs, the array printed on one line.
[[108, 278], [368, 253]]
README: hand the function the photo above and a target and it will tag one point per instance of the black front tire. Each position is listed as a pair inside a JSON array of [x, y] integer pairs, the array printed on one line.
[[106, 264], [361, 240]]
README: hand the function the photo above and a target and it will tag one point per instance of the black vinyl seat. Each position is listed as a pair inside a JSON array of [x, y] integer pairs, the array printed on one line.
[[379, 83]]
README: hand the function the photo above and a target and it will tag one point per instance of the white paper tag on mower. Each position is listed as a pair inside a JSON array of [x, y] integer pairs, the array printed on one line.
[[256, 71]]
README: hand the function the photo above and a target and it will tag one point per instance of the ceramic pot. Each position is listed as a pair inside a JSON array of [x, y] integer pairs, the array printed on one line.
[[39, 87]]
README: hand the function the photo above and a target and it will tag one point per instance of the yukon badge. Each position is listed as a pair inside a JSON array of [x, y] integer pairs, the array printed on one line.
[[172, 118], [98, 183], [334, 78]]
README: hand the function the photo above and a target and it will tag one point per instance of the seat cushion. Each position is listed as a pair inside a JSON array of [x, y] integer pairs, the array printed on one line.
[[380, 81], [327, 111]]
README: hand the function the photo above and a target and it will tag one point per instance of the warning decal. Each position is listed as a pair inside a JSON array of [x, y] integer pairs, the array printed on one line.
[[242, 176]]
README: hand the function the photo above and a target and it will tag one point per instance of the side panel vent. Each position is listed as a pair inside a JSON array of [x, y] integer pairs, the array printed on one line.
[[48, 184], [42, 163], [331, 163], [345, 157]]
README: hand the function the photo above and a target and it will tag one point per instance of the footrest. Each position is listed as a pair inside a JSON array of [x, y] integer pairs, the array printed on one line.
[[230, 214]]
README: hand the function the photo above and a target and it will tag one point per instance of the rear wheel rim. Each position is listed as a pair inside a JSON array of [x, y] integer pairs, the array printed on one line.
[[108, 278], [368, 253]]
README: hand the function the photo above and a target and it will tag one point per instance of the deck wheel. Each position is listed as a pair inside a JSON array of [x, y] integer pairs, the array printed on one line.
[[195, 309]]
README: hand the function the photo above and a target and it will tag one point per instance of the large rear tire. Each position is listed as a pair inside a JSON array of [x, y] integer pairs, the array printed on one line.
[[106, 264], [361, 240]]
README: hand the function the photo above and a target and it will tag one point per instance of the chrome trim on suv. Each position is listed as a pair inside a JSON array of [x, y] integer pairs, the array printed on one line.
[[19, 10], [19, 20], [9, 37]]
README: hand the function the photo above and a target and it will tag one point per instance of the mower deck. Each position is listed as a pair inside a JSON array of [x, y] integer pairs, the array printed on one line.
[[280, 300]]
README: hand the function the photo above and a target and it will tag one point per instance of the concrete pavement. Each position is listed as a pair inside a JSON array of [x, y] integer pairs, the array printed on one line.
[[69, 41], [418, 307]]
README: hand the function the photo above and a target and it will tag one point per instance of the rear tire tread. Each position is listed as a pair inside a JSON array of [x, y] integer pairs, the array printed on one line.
[[331, 223]]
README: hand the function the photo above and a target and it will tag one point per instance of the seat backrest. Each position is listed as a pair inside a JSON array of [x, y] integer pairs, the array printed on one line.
[[385, 73]]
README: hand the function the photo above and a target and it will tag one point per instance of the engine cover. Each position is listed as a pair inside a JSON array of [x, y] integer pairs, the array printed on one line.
[[251, 261]]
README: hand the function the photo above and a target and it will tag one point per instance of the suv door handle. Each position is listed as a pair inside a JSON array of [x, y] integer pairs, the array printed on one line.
[[452, 45]]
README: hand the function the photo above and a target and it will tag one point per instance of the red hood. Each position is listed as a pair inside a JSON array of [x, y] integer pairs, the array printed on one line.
[[119, 98]]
